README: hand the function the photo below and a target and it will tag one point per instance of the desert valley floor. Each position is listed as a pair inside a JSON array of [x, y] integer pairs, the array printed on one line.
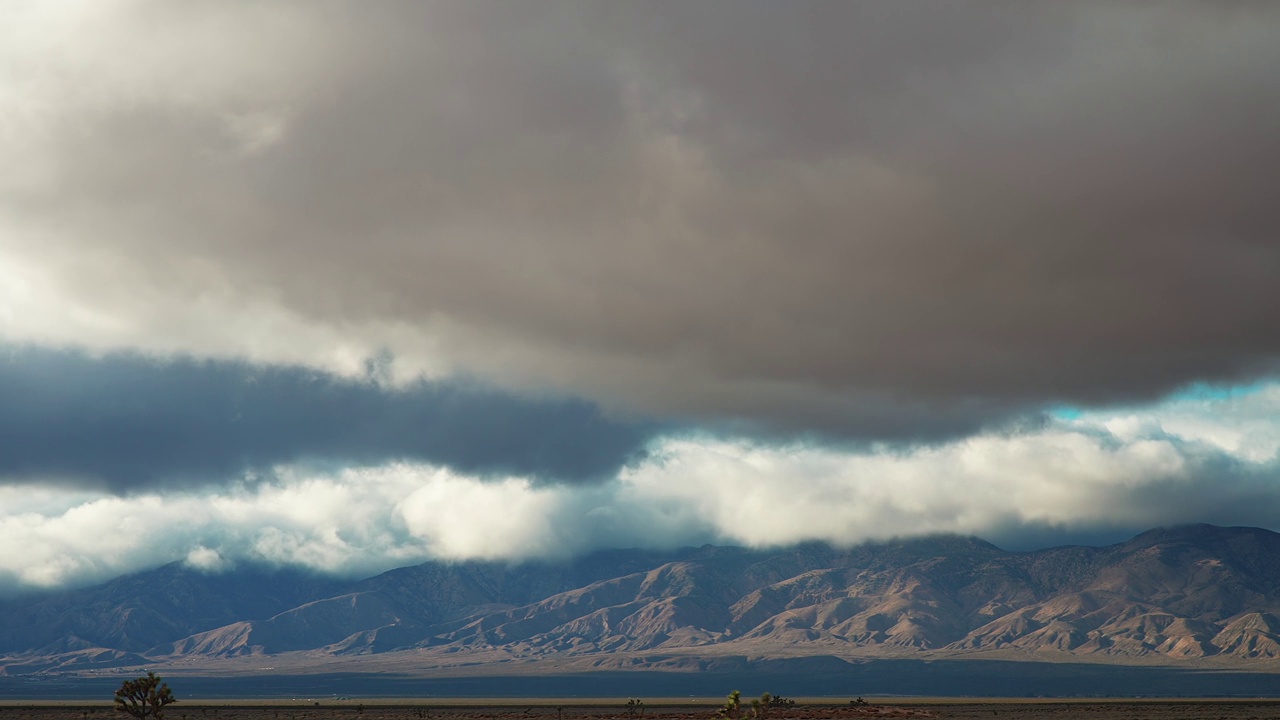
[[406, 709]]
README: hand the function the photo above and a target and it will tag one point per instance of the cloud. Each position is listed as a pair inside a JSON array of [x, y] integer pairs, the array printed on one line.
[[881, 221], [349, 522], [1096, 478], [128, 422], [206, 559], [341, 288]]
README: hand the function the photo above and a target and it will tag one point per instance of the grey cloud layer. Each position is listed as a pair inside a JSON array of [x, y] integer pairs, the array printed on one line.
[[130, 422], [1097, 478], [884, 219]]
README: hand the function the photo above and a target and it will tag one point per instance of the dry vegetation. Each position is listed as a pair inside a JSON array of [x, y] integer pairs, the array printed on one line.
[[935, 710]]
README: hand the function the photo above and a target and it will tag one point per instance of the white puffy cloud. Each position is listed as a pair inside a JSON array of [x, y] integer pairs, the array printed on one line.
[[1196, 458], [206, 559], [1240, 421]]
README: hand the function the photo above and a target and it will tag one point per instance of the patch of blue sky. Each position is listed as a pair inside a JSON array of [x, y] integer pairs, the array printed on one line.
[[1066, 412], [1192, 394], [1202, 391]]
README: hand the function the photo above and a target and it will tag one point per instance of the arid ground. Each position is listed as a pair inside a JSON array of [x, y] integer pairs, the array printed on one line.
[[478, 710]]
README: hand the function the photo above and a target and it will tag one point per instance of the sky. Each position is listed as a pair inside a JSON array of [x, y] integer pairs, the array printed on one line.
[[350, 286]]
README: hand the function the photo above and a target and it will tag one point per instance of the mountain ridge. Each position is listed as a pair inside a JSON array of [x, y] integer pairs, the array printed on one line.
[[1186, 594]]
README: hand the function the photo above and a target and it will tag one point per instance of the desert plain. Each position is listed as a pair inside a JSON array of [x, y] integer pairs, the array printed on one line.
[[706, 709]]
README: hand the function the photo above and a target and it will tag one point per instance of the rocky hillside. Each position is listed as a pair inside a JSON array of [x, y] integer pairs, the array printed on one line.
[[1181, 594]]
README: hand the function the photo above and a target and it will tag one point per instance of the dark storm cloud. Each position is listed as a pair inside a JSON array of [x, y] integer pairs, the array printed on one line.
[[884, 220], [131, 422]]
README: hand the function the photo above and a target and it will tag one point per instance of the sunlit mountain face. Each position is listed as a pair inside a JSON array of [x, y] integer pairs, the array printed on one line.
[[1189, 597]]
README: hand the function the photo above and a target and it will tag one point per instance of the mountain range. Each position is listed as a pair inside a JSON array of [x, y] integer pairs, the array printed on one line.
[[1198, 596]]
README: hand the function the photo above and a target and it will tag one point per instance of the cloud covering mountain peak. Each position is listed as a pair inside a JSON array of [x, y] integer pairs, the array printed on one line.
[[848, 269]]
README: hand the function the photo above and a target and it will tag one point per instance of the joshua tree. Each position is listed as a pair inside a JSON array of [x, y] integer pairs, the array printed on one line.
[[732, 709], [144, 697], [777, 701]]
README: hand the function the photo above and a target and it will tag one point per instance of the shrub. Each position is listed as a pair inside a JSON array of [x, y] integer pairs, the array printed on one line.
[[144, 697], [777, 701]]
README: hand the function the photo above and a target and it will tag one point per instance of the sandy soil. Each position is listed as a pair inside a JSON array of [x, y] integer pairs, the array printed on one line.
[[356, 710], [406, 710]]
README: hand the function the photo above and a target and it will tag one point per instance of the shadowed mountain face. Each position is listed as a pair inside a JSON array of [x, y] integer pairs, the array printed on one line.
[[1175, 594]]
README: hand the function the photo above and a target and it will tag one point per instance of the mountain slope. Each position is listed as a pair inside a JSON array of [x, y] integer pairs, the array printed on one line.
[[136, 612], [1178, 595]]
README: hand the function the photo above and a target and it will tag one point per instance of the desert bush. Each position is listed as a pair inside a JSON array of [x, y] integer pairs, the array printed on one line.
[[777, 701], [732, 708], [144, 697]]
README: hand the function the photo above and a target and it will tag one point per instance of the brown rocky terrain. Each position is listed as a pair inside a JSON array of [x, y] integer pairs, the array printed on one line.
[[1198, 594]]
